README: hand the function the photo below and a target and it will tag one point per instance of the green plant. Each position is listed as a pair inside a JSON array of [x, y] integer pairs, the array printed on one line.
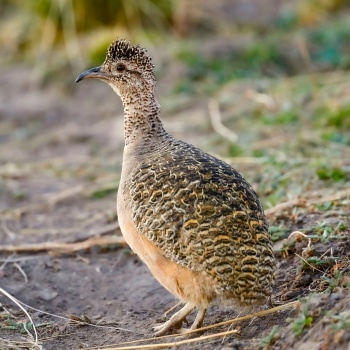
[[22, 327], [104, 191], [277, 232], [286, 117], [304, 321], [342, 226], [325, 206], [341, 321], [19, 195], [315, 262], [234, 150], [322, 231], [271, 338], [19, 326], [337, 137], [332, 282], [330, 173]]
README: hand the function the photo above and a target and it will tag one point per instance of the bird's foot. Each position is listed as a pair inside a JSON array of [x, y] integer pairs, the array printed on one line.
[[168, 326], [176, 328], [175, 322]]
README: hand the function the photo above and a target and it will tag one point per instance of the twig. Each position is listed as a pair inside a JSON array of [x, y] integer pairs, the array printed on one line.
[[21, 271], [216, 122], [62, 247]]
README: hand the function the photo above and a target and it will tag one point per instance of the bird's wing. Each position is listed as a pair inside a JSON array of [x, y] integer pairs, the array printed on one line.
[[200, 212]]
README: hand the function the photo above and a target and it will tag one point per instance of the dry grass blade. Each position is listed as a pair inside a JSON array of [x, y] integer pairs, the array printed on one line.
[[187, 341], [44, 203], [216, 122], [24, 310], [6, 344], [303, 202], [98, 231], [70, 319], [299, 202], [247, 317], [176, 343], [307, 263], [19, 268], [64, 247], [334, 197], [20, 259], [7, 231]]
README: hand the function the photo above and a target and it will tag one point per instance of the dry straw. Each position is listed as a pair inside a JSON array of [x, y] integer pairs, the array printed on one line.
[[130, 346]]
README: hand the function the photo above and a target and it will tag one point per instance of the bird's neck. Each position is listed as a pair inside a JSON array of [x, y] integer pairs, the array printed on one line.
[[141, 118]]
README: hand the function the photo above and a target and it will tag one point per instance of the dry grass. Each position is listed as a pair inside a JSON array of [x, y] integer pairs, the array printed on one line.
[[33, 344], [281, 117]]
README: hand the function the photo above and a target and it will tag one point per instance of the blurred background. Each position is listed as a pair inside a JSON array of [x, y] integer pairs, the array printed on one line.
[[276, 73], [264, 85], [265, 38]]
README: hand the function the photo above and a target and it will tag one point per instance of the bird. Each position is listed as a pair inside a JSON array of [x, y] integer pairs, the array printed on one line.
[[195, 222]]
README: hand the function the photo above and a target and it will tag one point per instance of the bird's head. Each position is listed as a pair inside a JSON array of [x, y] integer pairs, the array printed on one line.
[[126, 68]]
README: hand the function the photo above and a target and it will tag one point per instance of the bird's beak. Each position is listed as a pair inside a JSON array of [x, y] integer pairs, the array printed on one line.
[[92, 73]]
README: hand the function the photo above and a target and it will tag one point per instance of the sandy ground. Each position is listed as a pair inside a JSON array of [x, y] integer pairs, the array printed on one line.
[[60, 154]]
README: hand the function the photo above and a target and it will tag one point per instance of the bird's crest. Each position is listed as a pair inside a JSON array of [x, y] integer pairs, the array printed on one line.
[[122, 49]]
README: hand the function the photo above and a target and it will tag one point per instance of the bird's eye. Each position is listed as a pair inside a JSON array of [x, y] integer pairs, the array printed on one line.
[[120, 67]]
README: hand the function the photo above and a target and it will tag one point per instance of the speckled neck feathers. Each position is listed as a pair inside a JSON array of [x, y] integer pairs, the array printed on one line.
[[136, 89], [141, 121]]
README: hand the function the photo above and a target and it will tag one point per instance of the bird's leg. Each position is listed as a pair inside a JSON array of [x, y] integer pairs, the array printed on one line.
[[172, 309], [195, 325], [175, 320], [199, 319]]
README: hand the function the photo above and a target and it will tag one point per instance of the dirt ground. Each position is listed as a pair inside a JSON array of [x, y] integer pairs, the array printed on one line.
[[60, 155]]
